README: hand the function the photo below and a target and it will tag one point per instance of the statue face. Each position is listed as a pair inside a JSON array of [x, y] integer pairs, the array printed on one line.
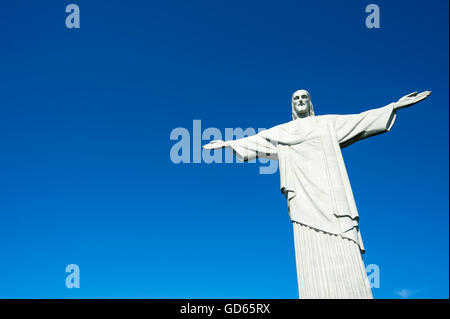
[[301, 101]]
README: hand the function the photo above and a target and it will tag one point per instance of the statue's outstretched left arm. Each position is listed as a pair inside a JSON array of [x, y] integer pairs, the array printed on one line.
[[355, 127]]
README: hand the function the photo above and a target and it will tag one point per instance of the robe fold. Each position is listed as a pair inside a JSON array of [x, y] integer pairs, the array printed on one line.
[[313, 177]]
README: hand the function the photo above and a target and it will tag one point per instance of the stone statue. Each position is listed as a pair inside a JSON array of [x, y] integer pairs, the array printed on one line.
[[328, 244]]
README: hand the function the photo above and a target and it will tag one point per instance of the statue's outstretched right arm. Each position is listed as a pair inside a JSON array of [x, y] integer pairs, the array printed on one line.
[[247, 148]]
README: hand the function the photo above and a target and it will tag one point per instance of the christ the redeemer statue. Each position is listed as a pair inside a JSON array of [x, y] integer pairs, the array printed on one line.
[[328, 244]]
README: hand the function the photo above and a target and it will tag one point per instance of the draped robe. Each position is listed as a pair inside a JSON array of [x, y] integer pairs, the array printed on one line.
[[313, 176]]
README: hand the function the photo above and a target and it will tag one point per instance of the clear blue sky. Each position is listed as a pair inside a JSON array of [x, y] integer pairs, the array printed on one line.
[[85, 118]]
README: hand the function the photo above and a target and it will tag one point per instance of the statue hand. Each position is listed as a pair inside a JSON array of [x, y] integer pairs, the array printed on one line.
[[214, 145], [411, 99]]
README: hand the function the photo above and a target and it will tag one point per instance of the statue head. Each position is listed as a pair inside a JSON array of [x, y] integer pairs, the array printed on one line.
[[301, 104]]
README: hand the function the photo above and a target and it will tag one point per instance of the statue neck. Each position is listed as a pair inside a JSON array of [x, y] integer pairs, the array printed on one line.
[[301, 116]]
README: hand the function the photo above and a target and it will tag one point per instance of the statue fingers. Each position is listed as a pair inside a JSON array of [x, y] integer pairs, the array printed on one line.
[[424, 94], [212, 146], [422, 97], [419, 97]]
